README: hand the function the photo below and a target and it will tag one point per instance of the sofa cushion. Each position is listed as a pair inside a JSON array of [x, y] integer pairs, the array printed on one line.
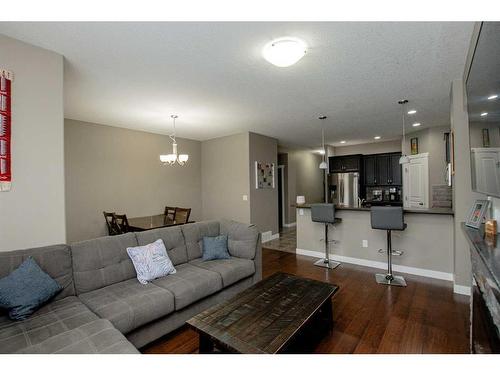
[[172, 238], [50, 320], [242, 238], [215, 248], [55, 260], [231, 270], [129, 304], [190, 284], [96, 337], [194, 233], [25, 289], [151, 261], [102, 261]]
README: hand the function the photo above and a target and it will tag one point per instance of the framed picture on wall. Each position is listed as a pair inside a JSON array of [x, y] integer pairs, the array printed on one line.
[[264, 175], [414, 146], [477, 213]]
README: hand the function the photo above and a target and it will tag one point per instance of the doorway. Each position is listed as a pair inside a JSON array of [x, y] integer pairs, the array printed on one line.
[[281, 197]]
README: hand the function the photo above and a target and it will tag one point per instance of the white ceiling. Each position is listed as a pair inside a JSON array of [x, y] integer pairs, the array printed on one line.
[[213, 76]]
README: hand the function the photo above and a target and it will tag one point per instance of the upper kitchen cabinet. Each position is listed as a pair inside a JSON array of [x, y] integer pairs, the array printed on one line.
[[382, 169], [340, 164]]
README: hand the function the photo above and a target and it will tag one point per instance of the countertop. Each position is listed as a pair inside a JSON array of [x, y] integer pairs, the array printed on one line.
[[489, 253], [433, 211]]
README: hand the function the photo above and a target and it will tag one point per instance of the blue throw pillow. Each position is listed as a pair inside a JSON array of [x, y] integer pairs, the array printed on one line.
[[215, 248], [25, 289]]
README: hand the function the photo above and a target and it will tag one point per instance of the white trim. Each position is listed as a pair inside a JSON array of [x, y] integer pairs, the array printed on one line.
[[269, 236], [290, 225], [381, 265], [462, 289]]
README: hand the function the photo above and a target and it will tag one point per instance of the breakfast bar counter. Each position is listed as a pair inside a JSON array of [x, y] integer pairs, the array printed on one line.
[[427, 242]]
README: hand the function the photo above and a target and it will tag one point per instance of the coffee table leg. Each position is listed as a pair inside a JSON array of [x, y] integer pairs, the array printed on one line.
[[327, 312], [206, 344]]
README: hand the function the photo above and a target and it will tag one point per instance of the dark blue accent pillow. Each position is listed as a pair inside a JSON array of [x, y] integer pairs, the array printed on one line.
[[215, 248], [25, 289]]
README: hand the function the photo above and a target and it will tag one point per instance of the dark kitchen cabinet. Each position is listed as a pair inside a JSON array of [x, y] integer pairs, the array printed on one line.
[[382, 169], [340, 164], [370, 170], [395, 168]]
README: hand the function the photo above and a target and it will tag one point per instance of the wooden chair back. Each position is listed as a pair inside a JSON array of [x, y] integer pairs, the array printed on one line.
[[170, 212], [182, 215], [122, 222], [112, 223]]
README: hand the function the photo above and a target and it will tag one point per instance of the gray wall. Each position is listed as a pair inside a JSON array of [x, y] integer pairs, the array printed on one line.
[[225, 178], [368, 148], [463, 197], [303, 178], [32, 212], [116, 169], [263, 202]]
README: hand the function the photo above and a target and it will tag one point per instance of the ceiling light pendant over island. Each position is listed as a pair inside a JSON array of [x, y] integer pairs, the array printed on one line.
[[404, 159], [284, 52], [171, 159]]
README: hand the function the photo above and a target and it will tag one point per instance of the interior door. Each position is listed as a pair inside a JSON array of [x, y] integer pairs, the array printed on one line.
[[416, 182], [486, 170]]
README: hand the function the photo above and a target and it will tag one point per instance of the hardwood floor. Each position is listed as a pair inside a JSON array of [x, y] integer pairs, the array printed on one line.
[[425, 317]]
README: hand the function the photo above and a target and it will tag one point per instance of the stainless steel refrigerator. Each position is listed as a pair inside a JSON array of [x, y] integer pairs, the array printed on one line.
[[344, 189]]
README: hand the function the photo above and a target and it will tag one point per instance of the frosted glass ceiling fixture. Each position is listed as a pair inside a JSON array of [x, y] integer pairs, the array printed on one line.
[[404, 159], [171, 159], [284, 51]]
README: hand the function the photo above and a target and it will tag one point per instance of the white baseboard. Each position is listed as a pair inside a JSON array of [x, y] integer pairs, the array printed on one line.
[[462, 289], [381, 265], [269, 236], [290, 225]]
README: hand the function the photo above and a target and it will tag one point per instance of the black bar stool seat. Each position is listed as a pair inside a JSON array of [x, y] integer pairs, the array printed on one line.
[[325, 213], [388, 219]]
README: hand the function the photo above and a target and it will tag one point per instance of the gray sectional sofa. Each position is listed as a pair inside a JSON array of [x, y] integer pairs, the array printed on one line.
[[104, 309]]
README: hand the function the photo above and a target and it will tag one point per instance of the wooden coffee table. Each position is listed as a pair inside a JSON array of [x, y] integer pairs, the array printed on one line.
[[266, 318]]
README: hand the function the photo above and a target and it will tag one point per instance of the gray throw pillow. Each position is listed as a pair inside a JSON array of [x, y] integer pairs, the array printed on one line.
[[215, 248], [25, 289]]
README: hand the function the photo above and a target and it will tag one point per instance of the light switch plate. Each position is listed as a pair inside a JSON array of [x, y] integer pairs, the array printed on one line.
[[365, 243], [301, 212], [245, 197]]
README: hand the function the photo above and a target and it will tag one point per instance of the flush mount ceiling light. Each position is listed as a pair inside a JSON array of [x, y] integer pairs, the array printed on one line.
[[377, 137], [343, 142], [484, 114], [284, 51], [171, 159], [412, 112], [492, 97], [416, 124]]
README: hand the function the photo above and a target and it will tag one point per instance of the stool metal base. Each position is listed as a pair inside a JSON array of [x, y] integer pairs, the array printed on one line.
[[327, 263], [390, 280]]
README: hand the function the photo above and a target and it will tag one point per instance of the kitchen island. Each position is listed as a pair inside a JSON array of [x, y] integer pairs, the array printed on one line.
[[427, 242]]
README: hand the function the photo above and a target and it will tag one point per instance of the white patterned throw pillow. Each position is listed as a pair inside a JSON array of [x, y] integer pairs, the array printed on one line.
[[151, 261]]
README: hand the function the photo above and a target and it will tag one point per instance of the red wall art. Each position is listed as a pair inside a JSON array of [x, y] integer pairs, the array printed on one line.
[[5, 130]]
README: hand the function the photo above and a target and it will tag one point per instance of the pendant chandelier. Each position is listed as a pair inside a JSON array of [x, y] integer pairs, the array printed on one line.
[[323, 164], [404, 159], [171, 159]]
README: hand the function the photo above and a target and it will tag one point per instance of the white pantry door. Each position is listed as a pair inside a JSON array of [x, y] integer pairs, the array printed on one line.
[[416, 182]]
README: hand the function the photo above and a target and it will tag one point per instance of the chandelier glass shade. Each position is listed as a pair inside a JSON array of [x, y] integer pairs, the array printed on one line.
[[174, 157]]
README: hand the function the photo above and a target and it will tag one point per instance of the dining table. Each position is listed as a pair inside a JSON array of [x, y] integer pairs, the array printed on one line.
[[143, 223]]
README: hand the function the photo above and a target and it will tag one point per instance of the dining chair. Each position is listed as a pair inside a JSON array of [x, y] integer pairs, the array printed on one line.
[[122, 222], [170, 212], [112, 223], [182, 215]]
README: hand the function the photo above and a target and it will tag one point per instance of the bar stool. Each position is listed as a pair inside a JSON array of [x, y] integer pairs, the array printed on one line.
[[389, 219], [325, 213]]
